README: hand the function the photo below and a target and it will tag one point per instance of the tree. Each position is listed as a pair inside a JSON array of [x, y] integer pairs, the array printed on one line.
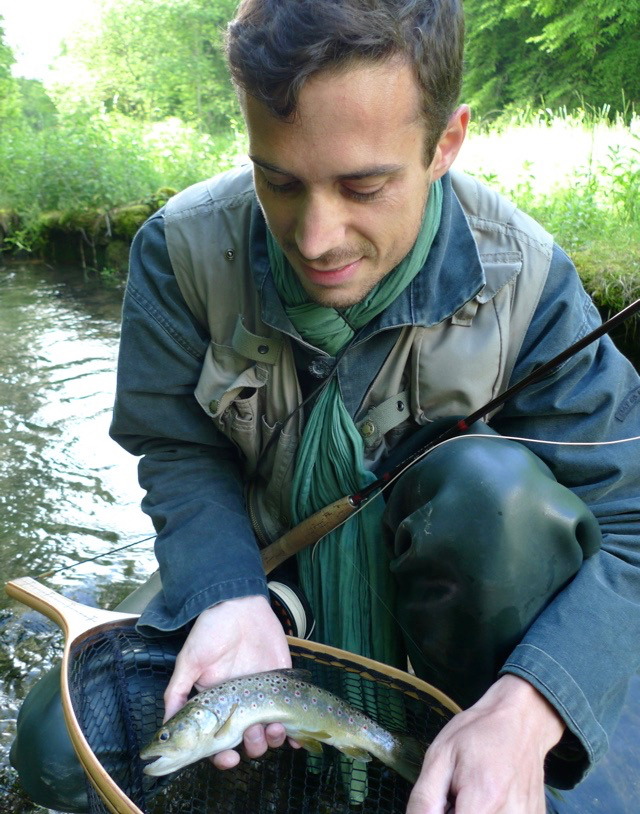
[[566, 52], [599, 37], [9, 94], [151, 60], [37, 107]]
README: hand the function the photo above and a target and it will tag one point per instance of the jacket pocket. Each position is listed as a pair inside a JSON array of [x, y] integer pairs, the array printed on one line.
[[230, 391]]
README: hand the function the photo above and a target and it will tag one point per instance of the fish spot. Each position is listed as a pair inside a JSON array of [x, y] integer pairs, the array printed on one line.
[[351, 720], [314, 700], [330, 709], [297, 693], [261, 695], [222, 699], [247, 691], [206, 701], [271, 702], [254, 705], [287, 700], [275, 690], [305, 707]]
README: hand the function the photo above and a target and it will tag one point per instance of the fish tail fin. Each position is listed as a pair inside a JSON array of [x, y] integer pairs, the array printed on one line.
[[409, 757]]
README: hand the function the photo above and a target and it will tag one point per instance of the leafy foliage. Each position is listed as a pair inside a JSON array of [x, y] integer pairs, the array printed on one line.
[[98, 161], [141, 99], [152, 60], [138, 112], [522, 51], [9, 96]]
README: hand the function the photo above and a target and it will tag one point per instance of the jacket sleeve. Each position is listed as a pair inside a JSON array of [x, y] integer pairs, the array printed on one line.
[[205, 546], [584, 647]]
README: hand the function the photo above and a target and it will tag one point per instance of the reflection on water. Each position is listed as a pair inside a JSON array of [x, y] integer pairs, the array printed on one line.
[[67, 492]]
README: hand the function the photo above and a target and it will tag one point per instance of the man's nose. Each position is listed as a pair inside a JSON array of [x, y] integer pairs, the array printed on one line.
[[320, 226]]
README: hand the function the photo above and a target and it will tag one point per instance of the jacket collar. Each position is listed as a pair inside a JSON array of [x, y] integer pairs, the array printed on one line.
[[451, 276]]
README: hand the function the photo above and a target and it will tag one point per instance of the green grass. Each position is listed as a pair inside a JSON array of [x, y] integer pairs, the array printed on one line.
[[579, 175], [90, 163]]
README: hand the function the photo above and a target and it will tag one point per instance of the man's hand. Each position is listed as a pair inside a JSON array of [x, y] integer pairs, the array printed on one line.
[[234, 638], [489, 759]]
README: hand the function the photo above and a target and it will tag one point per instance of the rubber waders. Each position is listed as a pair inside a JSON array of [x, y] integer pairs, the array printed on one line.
[[482, 537]]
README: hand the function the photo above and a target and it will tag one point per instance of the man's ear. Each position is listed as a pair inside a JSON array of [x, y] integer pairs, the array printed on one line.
[[450, 142]]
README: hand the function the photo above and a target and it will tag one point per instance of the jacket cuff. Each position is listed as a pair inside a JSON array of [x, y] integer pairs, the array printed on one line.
[[157, 619], [585, 741]]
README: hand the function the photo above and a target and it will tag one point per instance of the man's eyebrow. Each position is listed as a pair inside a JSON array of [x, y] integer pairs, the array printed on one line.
[[372, 172], [357, 175]]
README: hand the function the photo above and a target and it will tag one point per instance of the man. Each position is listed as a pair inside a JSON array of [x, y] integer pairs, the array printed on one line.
[[286, 334]]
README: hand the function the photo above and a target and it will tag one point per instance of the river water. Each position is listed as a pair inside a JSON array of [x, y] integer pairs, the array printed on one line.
[[67, 492]]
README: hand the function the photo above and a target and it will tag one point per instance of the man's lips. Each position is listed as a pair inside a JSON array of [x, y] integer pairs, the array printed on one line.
[[330, 277]]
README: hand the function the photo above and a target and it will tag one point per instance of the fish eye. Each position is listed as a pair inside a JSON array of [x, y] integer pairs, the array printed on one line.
[[164, 735]]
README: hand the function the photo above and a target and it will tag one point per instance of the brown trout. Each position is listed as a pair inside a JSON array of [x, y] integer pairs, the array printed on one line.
[[215, 720]]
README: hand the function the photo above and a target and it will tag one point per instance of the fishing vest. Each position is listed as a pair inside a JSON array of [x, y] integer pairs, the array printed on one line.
[[248, 385]]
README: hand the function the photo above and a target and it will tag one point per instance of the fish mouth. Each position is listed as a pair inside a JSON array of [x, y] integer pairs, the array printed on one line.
[[159, 764]]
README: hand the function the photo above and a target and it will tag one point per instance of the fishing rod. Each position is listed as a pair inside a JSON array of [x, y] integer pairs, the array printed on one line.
[[313, 528]]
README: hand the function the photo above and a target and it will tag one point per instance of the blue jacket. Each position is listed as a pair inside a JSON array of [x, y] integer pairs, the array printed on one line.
[[583, 648]]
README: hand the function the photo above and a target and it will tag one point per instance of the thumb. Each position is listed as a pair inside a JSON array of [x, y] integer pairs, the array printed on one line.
[[177, 693]]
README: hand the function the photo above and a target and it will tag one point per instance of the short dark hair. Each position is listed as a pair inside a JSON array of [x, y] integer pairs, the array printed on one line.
[[274, 46]]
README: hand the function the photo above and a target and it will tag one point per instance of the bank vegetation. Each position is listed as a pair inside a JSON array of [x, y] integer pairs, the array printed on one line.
[[138, 105]]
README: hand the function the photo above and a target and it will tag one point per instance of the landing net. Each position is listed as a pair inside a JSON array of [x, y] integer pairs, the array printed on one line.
[[117, 680]]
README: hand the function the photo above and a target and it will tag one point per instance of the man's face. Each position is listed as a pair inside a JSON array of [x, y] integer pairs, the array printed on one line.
[[343, 187]]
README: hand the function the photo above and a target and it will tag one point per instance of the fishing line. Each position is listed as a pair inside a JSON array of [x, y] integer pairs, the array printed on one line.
[[93, 559], [426, 452]]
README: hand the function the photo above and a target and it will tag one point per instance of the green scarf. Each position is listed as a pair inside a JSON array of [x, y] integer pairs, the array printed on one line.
[[346, 576]]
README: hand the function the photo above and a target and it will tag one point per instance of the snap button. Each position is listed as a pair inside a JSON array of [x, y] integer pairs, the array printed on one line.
[[263, 349], [229, 254], [213, 406], [367, 428], [400, 406], [320, 367]]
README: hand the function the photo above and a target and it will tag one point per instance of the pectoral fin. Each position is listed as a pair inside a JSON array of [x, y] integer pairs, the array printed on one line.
[[226, 725], [310, 744], [311, 741], [355, 753]]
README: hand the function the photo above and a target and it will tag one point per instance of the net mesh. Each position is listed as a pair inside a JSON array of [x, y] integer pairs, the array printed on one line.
[[117, 680]]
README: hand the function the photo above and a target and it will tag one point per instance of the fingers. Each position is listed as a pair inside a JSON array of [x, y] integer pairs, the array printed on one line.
[[257, 739], [431, 793], [275, 735], [226, 760]]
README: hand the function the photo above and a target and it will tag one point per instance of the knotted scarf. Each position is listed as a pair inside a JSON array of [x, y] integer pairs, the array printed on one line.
[[346, 576]]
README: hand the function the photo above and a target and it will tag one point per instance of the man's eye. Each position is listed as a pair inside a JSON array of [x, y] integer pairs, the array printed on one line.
[[359, 195], [288, 186]]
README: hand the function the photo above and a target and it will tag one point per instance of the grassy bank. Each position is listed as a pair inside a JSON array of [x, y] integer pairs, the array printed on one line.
[[87, 179], [89, 182], [579, 175]]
